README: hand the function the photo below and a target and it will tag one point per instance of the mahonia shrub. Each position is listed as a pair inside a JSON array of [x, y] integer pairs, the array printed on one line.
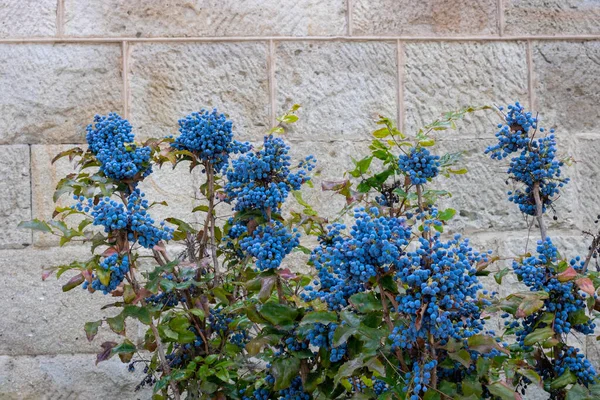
[[562, 297], [395, 308]]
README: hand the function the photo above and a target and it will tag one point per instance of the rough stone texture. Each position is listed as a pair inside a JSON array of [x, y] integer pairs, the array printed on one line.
[[586, 180], [480, 196], [205, 18], [27, 18], [51, 92], [48, 320], [551, 17], [443, 76], [342, 87], [44, 178], [424, 18], [566, 85], [168, 81], [68, 377], [15, 196]]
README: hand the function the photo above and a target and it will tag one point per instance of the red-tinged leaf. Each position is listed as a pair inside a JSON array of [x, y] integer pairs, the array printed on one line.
[[567, 275], [109, 252], [586, 285], [334, 185], [73, 282], [141, 294], [286, 274], [47, 272], [106, 353]]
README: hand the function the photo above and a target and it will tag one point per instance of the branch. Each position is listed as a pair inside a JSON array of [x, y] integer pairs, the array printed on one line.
[[539, 210]]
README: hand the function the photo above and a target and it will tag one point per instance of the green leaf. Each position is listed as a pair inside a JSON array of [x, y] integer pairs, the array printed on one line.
[[322, 317], [448, 388], [502, 390], [182, 225], [126, 347], [381, 133], [198, 313], [117, 323], [91, 329], [447, 214], [140, 313], [289, 118], [342, 333], [365, 302], [579, 392], [501, 274], [538, 336], [278, 314], [35, 225], [460, 171], [462, 357], [530, 374], [347, 369], [179, 324], [200, 208], [426, 142], [284, 370], [565, 379], [483, 343]]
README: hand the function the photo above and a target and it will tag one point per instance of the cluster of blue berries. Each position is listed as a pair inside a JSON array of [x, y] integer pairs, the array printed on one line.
[[380, 387], [219, 321], [441, 292], [111, 141], [419, 165], [569, 358], [420, 378], [535, 163], [117, 266], [514, 135], [209, 135], [269, 244], [539, 274], [294, 392], [346, 264], [262, 179], [134, 218], [321, 336]]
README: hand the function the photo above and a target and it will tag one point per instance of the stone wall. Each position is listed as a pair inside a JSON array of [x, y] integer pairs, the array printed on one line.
[[154, 61]]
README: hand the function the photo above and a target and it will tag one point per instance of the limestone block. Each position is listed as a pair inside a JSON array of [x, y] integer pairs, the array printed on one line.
[[566, 85], [27, 18], [149, 18], [551, 17], [50, 93], [447, 76], [15, 196], [169, 81], [38, 318], [342, 87], [72, 376], [424, 18]]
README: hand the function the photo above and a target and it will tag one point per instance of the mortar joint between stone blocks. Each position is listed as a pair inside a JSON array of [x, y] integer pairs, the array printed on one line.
[[125, 53], [501, 17], [400, 85], [271, 79], [530, 76], [60, 18], [349, 6]]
